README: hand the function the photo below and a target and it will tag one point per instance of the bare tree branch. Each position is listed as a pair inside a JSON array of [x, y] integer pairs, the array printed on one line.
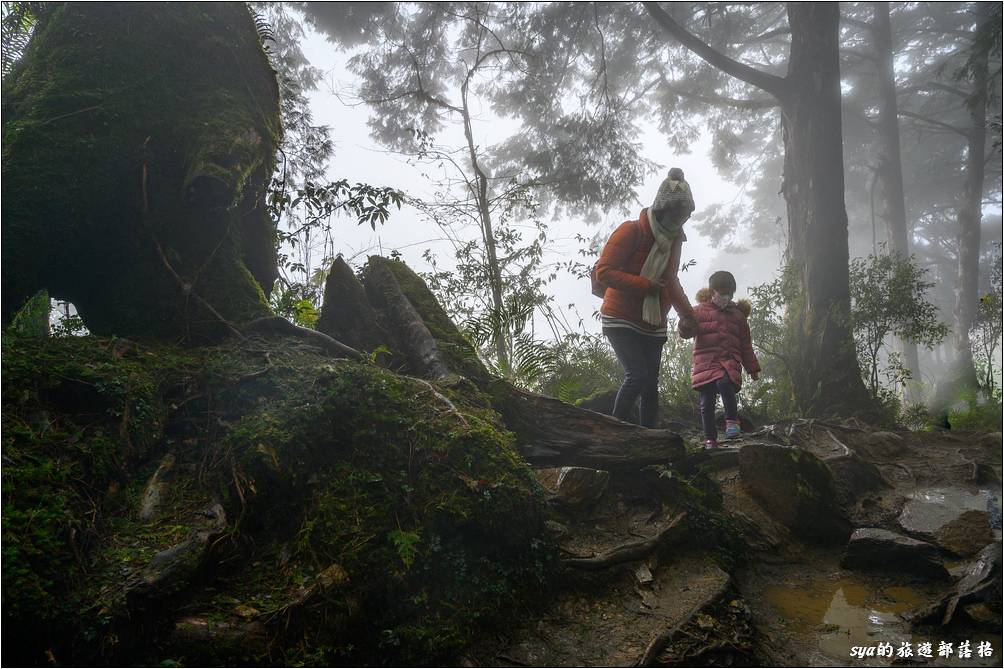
[[762, 103], [776, 86], [933, 122]]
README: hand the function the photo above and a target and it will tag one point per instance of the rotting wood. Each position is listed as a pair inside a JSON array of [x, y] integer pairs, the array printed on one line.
[[628, 552], [417, 342]]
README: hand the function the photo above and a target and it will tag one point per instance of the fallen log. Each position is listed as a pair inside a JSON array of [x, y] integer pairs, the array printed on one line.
[[552, 433], [629, 552]]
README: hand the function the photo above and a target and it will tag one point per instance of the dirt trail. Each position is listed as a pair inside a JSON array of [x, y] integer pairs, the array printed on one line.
[[781, 602]]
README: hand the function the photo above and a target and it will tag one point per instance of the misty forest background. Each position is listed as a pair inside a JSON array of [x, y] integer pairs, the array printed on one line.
[[289, 291], [528, 131]]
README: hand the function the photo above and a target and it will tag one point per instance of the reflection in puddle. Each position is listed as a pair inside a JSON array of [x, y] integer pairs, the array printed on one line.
[[836, 615], [845, 613]]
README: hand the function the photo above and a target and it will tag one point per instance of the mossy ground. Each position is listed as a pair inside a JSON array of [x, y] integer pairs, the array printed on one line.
[[322, 466]]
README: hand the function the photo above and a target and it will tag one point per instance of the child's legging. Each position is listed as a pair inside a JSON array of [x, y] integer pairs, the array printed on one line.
[[709, 400]]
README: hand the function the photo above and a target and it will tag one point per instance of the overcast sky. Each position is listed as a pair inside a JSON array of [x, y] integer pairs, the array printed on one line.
[[359, 158]]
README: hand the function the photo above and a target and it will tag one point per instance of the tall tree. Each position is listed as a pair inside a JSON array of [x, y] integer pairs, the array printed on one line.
[[971, 208], [828, 379], [888, 166]]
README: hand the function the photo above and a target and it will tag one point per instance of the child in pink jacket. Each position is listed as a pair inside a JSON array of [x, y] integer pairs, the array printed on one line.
[[722, 349]]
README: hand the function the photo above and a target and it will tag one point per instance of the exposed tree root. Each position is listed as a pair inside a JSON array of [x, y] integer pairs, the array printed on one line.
[[278, 325], [629, 552], [659, 643]]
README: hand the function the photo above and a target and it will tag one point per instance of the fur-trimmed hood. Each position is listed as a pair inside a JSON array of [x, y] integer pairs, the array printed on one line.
[[705, 294]]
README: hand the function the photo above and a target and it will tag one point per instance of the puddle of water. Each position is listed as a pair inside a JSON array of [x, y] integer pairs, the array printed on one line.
[[836, 615], [943, 504], [844, 613]]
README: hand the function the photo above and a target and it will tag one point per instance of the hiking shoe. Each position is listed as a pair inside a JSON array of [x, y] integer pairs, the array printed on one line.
[[732, 430], [710, 443]]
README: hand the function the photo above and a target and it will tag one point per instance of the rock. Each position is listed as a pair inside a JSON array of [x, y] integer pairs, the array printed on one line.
[[643, 575], [978, 593], [796, 488], [853, 478], [981, 612], [983, 576], [952, 518], [871, 548], [884, 445], [992, 440], [579, 487]]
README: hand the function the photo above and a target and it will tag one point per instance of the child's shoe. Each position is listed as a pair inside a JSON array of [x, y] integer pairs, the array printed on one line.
[[732, 430], [710, 443]]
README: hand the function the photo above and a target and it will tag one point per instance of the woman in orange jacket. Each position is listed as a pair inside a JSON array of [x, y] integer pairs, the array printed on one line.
[[639, 267]]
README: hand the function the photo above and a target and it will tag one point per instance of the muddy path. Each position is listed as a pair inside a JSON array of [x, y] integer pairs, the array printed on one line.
[[741, 581]]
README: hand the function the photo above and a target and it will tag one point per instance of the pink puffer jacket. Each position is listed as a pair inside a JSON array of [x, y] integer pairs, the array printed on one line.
[[723, 344]]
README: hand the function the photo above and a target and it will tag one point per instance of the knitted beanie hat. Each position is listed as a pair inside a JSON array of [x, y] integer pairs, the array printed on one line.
[[676, 174], [723, 282]]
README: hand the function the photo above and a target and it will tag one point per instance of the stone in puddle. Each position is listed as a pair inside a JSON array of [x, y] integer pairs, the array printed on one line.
[[796, 488], [871, 548], [955, 519], [579, 487]]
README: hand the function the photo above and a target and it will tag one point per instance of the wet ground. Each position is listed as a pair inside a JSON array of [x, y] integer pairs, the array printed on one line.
[[813, 613], [794, 600]]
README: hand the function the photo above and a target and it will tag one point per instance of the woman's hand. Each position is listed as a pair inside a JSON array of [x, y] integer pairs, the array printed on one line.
[[656, 285], [687, 327]]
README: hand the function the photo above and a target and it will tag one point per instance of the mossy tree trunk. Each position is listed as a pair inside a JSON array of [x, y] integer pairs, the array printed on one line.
[[138, 140]]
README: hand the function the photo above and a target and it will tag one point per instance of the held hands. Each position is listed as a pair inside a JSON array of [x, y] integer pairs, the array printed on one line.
[[656, 285], [687, 327]]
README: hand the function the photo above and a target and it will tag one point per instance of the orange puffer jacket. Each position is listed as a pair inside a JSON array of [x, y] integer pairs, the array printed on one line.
[[619, 269], [723, 346]]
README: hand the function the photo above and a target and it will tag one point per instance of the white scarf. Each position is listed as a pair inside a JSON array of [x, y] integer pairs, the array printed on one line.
[[653, 270]]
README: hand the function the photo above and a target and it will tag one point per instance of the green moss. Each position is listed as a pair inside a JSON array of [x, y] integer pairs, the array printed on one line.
[[433, 515], [458, 352], [427, 508], [77, 414]]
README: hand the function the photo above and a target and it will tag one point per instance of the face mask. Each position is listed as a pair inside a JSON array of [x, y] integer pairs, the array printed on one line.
[[721, 301]]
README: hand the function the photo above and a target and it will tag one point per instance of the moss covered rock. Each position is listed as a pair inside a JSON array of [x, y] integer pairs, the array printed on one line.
[[308, 510], [137, 137]]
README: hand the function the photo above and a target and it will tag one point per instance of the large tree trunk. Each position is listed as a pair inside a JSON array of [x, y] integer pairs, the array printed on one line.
[[970, 216], [827, 379], [890, 165], [144, 210]]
